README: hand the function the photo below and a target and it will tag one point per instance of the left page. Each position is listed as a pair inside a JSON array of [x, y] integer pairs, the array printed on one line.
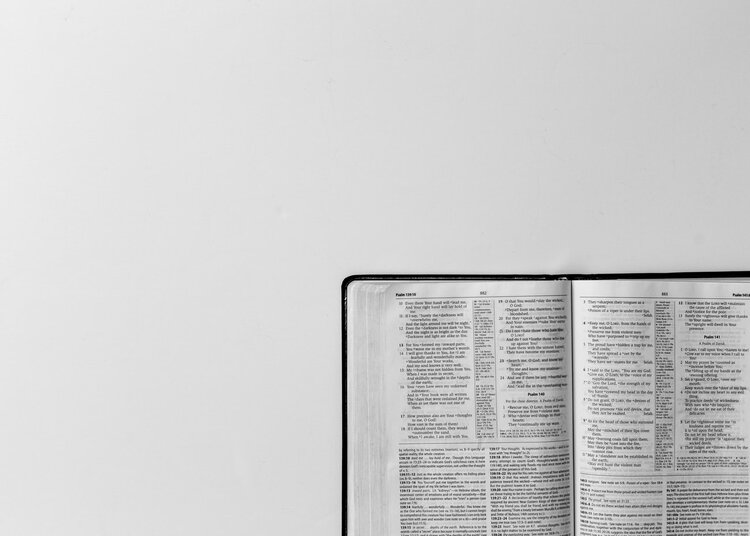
[[474, 410]]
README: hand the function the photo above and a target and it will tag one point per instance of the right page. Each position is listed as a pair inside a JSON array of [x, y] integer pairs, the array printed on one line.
[[661, 407]]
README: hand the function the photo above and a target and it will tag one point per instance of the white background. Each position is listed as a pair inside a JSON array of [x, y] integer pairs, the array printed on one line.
[[184, 185]]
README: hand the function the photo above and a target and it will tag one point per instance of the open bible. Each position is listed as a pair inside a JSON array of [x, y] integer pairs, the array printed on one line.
[[546, 406]]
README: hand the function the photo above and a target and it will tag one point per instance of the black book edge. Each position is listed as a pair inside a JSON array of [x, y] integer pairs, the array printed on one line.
[[729, 274]]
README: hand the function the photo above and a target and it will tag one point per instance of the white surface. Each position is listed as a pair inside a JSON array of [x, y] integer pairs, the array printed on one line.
[[184, 184]]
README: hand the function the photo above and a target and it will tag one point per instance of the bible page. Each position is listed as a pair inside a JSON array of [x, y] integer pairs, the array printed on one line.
[[661, 414], [478, 391]]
